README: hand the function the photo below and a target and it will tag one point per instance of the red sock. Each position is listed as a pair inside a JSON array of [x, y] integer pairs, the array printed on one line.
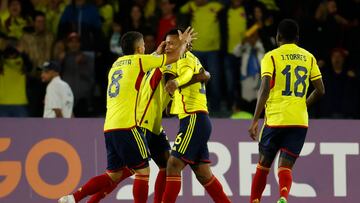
[[215, 190], [93, 186], [141, 188], [160, 185], [100, 195], [172, 189], [285, 180], [258, 183]]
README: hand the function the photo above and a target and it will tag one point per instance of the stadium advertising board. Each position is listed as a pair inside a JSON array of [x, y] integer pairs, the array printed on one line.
[[41, 160]]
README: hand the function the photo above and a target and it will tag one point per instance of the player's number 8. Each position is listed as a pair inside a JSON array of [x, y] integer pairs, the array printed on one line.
[[114, 87], [300, 80]]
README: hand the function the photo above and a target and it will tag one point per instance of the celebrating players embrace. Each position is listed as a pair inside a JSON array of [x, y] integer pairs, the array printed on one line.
[[135, 101]]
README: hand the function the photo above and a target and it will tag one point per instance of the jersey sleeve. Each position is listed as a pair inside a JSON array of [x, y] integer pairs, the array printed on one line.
[[149, 62], [185, 75], [267, 65], [315, 71], [185, 70]]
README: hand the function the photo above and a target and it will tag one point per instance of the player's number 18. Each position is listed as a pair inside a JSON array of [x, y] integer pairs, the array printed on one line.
[[301, 75]]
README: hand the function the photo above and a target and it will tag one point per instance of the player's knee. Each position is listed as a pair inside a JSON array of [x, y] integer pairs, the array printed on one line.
[[174, 166], [266, 160], [115, 176], [265, 163], [143, 171], [287, 160], [203, 178], [203, 173]]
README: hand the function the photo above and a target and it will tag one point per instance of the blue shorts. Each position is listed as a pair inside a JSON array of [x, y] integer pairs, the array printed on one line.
[[126, 148], [287, 139], [158, 144], [191, 142]]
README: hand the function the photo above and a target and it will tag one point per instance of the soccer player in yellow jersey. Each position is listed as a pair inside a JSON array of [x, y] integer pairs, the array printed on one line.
[[286, 73], [190, 146], [126, 146], [153, 100]]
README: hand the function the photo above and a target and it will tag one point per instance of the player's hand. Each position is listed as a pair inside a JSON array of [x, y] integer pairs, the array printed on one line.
[[161, 48], [253, 130], [171, 86], [206, 76], [187, 36]]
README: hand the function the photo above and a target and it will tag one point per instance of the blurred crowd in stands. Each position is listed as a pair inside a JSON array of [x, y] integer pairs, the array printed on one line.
[[233, 35]]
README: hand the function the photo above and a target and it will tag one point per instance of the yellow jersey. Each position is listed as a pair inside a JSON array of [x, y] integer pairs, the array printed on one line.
[[290, 68], [205, 22], [236, 19], [125, 78], [190, 99], [153, 99], [13, 83], [13, 28]]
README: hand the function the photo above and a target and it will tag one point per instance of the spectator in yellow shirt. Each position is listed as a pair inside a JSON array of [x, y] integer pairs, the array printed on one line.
[[13, 100], [106, 12], [12, 20], [205, 21]]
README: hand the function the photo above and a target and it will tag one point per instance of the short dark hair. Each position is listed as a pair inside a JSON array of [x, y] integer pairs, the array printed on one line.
[[128, 41], [288, 30], [173, 32]]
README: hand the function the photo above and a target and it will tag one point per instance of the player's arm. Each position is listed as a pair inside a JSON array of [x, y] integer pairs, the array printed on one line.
[[58, 113], [317, 93], [184, 77], [267, 71], [315, 78], [203, 76], [260, 105]]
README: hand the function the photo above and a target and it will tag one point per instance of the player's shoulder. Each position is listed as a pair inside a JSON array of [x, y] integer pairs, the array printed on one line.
[[187, 56], [270, 53], [124, 60], [191, 56], [294, 48]]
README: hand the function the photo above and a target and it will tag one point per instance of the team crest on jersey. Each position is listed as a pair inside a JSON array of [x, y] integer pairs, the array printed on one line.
[[168, 66]]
